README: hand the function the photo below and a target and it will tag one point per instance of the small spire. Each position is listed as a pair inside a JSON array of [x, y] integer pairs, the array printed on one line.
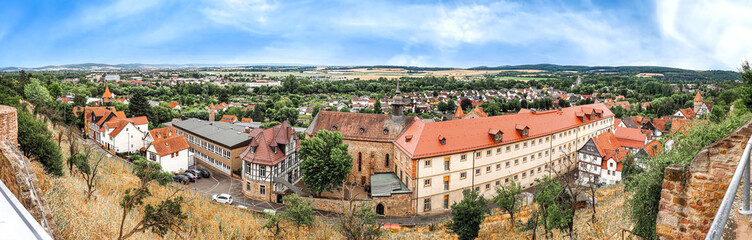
[[398, 91]]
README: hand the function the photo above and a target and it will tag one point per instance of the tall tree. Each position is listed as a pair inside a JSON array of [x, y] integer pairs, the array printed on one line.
[[746, 72], [377, 107], [298, 211], [166, 216], [326, 162], [36, 93], [508, 198], [466, 104], [139, 106], [468, 214]]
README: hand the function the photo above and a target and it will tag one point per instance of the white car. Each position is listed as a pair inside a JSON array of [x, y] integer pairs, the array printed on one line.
[[222, 198]]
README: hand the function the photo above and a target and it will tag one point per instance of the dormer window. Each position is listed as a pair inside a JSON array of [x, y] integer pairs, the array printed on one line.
[[442, 140], [386, 131], [334, 127], [408, 138], [522, 130], [274, 149], [362, 130], [496, 135]]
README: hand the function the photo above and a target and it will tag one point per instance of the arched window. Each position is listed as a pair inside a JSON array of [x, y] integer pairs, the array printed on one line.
[[387, 160], [360, 162]]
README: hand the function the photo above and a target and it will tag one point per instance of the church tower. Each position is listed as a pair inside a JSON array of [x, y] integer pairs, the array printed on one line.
[[697, 102]]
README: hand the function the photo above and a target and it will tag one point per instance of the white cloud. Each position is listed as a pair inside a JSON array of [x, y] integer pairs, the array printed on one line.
[[706, 32], [243, 14]]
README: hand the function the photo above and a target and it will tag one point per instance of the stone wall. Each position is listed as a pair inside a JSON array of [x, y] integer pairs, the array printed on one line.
[[399, 205], [14, 175], [373, 160], [691, 195]]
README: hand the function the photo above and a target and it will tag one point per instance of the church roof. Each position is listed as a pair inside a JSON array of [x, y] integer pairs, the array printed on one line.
[[698, 98]]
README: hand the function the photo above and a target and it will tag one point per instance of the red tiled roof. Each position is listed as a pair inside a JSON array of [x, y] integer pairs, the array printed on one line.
[[653, 148], [688, 113], [459, 113], [107, 94], [229, 118], [162, 133], [631, 137], [169, 145], [698, 97], [606, 141], [118, 124], [246, 120], [263, 140], [618, 155], [139, 120], [470, 134]]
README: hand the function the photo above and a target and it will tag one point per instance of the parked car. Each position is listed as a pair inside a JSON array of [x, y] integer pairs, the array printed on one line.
[[190, 176], [195, 172], [205, 173], [181, 179], [222, 198]]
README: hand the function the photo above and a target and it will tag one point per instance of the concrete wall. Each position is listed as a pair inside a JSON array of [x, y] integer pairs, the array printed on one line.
[[690, 196]]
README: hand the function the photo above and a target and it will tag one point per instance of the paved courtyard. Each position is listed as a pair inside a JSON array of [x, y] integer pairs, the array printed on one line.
[[219, 183]]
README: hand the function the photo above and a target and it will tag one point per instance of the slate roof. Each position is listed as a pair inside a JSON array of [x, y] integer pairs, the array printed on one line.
[[229, 135], [386, 184]]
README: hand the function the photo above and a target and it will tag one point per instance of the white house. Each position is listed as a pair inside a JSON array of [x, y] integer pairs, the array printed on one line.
[[600, 159], [124, 135], [171, 153]]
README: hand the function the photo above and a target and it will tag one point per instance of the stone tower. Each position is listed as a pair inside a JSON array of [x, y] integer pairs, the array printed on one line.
[[697, 102], [211, 113]]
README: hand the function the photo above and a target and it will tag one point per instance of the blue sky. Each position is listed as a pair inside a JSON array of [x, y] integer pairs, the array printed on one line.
[[699, 34]]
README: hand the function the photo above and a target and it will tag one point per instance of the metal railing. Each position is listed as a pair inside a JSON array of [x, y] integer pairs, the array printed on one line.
[[742, 170]]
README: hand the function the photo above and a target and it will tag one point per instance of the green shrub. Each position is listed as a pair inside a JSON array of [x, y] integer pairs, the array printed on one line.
[[37, 142]]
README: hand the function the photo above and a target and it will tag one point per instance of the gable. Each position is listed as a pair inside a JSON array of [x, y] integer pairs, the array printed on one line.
[[589, 148]]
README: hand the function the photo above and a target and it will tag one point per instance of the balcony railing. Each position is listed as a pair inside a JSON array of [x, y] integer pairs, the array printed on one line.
[[742, 172]]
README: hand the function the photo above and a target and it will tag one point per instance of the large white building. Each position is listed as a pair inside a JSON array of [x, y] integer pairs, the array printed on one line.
[[439, 160]]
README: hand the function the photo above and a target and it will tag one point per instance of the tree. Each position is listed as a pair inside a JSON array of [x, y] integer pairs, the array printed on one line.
[[552, 201], [466, 103], [290, 84], [35, 140], [508, 198], [563, 103], [36, 93], [326, 162], [88, 170], [316, 110], [273, 223], [298, 211], [223, 96], [167, 216], [746, 72], [468, 214], [344, 109], [139, 106], [359, 222], [287, 114], [377, 107], [54, 89]]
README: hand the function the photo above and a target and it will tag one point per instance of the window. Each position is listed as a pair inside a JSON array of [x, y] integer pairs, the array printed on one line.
[[540, 140], [386, 162], [463, 157], [532, 172], [508, 148], [446, 164], [360, 162], [247, 186], [427, 182], [515, 177], [498, 150], [477, 155], [477, 189], [446, 183], [517, 162], [427, 205], [524, 175], [540, 155], [498, 166], [262, 171], [262, 190], [446, 201], [506, 164], [477, 171], [488, 169], [524, 144], [517, 146], [488, 153], [524, 159], [488, 185], [428, 163], [498, 182]]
